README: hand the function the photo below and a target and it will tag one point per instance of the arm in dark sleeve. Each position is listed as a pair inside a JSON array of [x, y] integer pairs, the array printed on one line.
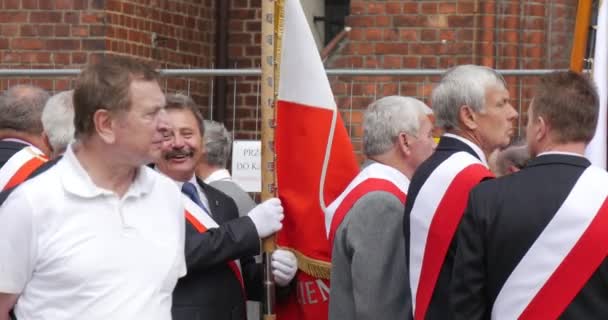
[[468, 288], [234, 239]]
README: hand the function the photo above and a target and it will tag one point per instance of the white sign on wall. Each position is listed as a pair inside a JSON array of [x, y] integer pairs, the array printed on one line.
[[246, 160]]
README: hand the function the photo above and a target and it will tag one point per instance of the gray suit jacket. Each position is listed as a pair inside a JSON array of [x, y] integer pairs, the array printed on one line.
[[241, 198], [368, 276]]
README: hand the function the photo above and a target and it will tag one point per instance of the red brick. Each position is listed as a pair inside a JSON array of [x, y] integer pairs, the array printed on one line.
[[428, 8], [29, 4], [373, 34], [447, 8], [12, 4], [13, 17], [63, 44], [27, 44], [62, 30], [45, 17], [408, 35], [428, 35], [376, 8], [393, 8]]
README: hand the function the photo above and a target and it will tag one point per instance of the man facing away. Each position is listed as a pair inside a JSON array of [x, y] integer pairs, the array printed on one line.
[[23, 143], [533, 244], [99, 235], [368, 279], [220, 246], [212, 168], [471, 103]]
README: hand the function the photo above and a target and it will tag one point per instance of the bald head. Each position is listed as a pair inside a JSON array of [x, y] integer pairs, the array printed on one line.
[[21, 109]]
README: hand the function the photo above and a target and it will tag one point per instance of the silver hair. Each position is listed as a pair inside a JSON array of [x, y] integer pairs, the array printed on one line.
[[58, 120], [462, 85], [218, 143], [386, 118], [21, 107]]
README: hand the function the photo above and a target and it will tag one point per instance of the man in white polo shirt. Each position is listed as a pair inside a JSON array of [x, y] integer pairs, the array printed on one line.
[[98, 235]]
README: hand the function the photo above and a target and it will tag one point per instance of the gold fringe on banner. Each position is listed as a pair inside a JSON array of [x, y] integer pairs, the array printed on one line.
[[313, 267]]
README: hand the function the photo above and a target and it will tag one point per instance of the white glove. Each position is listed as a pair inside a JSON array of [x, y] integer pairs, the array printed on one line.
[[267, 217], [284, 266]]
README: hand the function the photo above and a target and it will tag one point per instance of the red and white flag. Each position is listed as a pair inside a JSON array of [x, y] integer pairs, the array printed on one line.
[[315, 160], [596, 150]]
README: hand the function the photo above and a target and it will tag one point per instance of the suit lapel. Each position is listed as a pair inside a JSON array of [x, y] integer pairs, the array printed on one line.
[[215, 202]]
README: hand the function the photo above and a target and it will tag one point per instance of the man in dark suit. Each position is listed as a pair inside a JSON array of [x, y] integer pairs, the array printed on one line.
[[21, 130], [222, 273], [471, 103], [533, 244]]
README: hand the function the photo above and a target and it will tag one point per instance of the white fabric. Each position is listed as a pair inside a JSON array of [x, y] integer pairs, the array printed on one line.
[[553, 244], [425, 205], [73, 250], [218, 175], [563, 153], [298, 45], [284, 266], [18, 141], [596, 150], [203, 218], [16, 162], [373, 170], [476, 148], [267, 217]]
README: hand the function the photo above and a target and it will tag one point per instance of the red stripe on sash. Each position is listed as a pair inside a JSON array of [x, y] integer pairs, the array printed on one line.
[[24, 172], [368, 185], [231, 264], [441, 231], [573, 273]]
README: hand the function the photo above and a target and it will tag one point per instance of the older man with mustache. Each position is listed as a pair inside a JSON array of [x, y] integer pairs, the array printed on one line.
[[222, 273]]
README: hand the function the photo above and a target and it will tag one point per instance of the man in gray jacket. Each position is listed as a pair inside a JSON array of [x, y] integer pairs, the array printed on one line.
[[368, 278], [212, 168]]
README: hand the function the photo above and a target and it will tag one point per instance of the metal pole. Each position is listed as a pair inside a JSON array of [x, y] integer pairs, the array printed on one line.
[[257, 72]]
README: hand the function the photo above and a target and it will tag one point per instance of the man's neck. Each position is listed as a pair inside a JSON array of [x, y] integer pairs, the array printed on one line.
[[572, 147], [103, 168], [204, 170], [391, 159], [34, 140]]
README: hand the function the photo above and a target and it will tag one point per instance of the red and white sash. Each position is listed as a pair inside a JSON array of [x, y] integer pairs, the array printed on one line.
[[20, 166], [563, 257], [374, 177], [203, 222], [434, 219]]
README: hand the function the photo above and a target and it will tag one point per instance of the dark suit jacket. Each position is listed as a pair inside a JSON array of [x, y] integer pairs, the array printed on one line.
[[8, 149], [210, 290], [438, 307], [503, 219]]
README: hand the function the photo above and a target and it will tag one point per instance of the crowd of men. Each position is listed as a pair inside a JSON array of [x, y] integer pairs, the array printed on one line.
[[116, 204]]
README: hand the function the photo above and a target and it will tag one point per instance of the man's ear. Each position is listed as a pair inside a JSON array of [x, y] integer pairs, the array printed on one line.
[[403, 143], [468, 117], [104, 125], [47, 143], [542, 128]]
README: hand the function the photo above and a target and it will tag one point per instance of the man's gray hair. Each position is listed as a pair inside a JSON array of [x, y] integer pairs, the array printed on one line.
[[21, 108], [58, 120], [462, 85], [218, 143], [386, 118]]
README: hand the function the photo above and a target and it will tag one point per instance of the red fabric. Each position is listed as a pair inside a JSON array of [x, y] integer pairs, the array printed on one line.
[[366, 186], [300, 143], [309, 301], [573, 273], [26, 169], [441, 231], [231, 264]]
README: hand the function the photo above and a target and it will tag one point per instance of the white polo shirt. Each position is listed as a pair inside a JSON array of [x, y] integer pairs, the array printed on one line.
[[75, 251]]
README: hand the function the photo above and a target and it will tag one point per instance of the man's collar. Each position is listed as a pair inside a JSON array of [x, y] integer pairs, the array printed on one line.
[[471, 145], [76, 179], [221, 174]]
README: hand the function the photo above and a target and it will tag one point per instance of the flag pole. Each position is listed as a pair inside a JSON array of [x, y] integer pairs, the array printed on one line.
[[581, 33], [268, 92]]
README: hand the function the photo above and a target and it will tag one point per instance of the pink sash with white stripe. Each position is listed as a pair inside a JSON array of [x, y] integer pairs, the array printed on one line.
[[20, 166], [563, 257], [434, 218], [202, 222]]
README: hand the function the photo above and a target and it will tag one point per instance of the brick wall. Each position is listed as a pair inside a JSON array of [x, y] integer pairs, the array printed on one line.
[[70, 33], [440, 34]]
